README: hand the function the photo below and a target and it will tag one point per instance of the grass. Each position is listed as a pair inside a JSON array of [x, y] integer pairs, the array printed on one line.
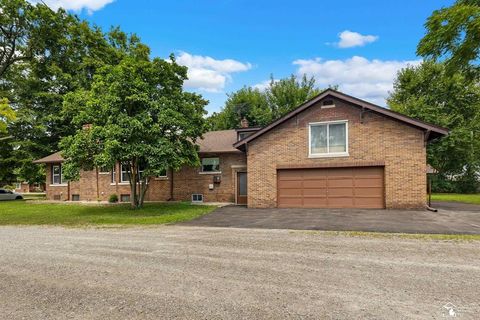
[[27, 213], [388, 235], [456, 197]]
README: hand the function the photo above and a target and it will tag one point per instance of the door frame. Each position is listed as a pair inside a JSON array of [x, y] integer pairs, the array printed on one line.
[[236, 187]]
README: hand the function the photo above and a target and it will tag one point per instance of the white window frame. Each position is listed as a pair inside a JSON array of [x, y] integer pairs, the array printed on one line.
[[121, 174], [113, 175], [327, 154], [100, 171], [162, 177], [210, 172], [197, 201], [60, 175]]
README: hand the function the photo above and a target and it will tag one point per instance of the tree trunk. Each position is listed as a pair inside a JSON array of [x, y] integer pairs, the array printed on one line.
[[145, 182]]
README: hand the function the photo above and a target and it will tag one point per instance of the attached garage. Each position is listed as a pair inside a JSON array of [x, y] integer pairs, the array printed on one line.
[[355, 187]]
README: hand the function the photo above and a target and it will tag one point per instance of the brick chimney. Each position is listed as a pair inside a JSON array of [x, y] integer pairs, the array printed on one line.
[[244, 123]]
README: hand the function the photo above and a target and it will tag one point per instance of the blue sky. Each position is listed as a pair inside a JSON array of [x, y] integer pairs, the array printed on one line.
[[227, 44]]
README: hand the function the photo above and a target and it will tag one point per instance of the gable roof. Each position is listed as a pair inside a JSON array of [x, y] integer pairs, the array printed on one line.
[[212, 142], [218, 141], [53, 158], [435, 131]]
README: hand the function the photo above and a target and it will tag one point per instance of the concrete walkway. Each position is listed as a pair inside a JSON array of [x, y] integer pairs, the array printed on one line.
[[450, 219]]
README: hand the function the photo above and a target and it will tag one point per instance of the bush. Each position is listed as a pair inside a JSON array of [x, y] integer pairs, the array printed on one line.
[[9, 187], [113, 198]]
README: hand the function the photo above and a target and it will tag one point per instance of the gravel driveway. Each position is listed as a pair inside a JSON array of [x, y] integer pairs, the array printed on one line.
[[217, 273]]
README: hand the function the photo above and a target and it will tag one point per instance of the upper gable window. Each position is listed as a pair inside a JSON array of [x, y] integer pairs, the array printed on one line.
[[328, 139]]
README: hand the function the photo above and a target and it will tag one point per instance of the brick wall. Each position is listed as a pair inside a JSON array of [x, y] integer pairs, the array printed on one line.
[[378, 138], [186, 181]]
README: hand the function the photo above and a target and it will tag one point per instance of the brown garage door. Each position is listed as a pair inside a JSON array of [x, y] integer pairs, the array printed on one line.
[[359, 187]]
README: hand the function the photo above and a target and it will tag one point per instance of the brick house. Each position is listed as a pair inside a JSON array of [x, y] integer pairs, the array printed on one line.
[[333, 151]]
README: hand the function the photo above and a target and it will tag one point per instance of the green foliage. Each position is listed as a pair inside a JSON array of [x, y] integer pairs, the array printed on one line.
[[137, 114], [262, 107], [453, 33], [57, 54], [113, 198], [27, 213], [6, 115], [427, 92], [9, 187]]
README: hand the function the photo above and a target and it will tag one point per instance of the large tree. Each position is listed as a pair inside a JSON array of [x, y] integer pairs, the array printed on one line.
[[261, 107], [453, 34], [428, 92], [135, 113], [59, 54]]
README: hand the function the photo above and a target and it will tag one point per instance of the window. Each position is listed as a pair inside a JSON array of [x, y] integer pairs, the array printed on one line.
[[75, 197], [197, 197], [124, 173], [210, 165], [18, 185], [57, 175], [328, 138], [124, 198], [124, 177], [103, 170], [163, 174]]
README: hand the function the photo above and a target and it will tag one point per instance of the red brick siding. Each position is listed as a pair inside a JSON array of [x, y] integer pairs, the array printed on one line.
[[186, 182], [378, 138]]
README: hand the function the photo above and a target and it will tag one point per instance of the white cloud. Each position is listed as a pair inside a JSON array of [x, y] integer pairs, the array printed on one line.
[[349, 39], [262, 86], [76, 5], [208, 74], [366, 79]]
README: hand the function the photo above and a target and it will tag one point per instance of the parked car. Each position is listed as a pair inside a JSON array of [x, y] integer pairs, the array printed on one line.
[[9, 195]]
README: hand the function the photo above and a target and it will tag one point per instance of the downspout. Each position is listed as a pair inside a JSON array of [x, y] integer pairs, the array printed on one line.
[[429, 180], [171, 186], [96, 175]]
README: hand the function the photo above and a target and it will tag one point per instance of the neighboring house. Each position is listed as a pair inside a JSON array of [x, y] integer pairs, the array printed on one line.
[[333, 151], [25, 187]]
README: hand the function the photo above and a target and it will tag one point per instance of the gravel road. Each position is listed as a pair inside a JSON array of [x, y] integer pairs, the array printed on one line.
[[178, 272]]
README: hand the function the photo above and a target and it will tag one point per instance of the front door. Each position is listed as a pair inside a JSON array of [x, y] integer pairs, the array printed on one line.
[[241, 188]]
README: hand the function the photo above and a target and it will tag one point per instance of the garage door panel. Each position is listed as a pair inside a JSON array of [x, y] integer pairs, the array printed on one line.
[[314, 202], [336, 182], [369, 203], [288, 202], [340, 202], [292, 192], [369, 192], [315, 192], [315, 183], [369, 182], [340, 192], [360, 187], [290, 184]]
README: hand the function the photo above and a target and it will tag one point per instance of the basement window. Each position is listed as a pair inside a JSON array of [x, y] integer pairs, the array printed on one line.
[[196, 197], [124, 198], [75, 197]]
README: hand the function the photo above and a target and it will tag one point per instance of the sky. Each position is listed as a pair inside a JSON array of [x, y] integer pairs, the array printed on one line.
[[228, 44]]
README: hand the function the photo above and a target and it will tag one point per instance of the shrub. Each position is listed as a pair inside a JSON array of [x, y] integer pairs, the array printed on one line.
[[9, 187], [113, 198]]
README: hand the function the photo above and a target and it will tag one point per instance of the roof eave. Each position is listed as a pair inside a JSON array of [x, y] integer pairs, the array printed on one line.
[[436, 130]]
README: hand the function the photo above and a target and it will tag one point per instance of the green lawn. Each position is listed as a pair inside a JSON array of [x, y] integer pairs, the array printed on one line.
[[27, 213], [466, 198]]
